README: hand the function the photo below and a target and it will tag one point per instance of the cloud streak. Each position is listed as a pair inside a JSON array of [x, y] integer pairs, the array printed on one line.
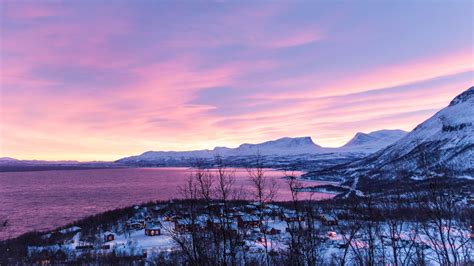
[[89, 81]]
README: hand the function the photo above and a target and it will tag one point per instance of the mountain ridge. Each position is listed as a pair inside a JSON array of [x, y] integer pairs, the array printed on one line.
[[286, 146], [441, 145]]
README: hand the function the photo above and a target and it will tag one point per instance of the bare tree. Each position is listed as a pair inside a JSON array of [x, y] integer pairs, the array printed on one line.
[[195, 242], [203, 180], [224, 193], [264, 191]]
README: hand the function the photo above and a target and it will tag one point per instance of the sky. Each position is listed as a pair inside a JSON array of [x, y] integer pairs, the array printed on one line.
[[100, 80]]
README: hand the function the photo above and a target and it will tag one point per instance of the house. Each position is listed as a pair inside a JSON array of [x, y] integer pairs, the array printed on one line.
[[222, 223], [237, 214], [109, 236], [268, 230], [215, 223], [250, 207], [290, 216], [169, 217], [216, 207], [152, 229], [183, 225], [328, 219], [248, 221], [270, 212], [135, 225], [157, 209], [331, 234]]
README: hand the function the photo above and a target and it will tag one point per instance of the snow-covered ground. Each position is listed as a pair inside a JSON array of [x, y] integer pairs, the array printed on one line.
[[335, 238]]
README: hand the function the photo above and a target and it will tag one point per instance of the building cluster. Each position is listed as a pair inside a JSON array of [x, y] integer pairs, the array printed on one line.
[[247, 219]]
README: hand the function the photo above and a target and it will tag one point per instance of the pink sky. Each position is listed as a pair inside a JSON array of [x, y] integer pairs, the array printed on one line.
[[103, 80]]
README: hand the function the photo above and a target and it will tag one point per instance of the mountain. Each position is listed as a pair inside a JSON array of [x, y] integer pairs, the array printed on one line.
[[445, 140], [8, 164], [373, 141], [280, 152], [283, 146], [442, 144], [7, 160]]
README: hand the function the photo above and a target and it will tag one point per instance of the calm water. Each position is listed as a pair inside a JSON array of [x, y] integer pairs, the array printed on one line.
[[44, 200]]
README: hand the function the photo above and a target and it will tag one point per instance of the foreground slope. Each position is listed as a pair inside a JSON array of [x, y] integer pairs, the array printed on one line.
[[443, 143]]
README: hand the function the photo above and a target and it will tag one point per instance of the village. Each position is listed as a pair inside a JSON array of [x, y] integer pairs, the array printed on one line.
[[152, 230]]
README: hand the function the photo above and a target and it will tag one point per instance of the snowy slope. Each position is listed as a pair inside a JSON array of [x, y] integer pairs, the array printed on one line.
[[444, 141], [374, 141]]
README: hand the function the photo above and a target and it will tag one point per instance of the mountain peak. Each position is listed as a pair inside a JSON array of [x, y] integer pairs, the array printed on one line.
[[469, 93], [376, 139], [297, 141], [8, 159], [285, 142], [358, 139]]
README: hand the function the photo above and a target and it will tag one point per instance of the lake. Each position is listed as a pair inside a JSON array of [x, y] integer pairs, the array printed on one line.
[[44, 200]]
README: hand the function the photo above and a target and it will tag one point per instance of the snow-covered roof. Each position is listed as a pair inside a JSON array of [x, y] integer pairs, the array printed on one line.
[[290, 214], [249, 218], [151, 226], [328, 217], [184, 222]]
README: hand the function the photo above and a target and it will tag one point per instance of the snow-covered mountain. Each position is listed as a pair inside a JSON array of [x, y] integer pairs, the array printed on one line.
[[7, 159], [8, 164], [374, 141], [444, 142], [283, 149], [283, 146]]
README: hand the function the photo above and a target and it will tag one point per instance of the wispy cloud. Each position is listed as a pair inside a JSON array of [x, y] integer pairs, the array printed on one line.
[[84, 80]]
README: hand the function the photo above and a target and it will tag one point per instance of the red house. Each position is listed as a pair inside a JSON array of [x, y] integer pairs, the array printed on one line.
[[109, 236], [183, 225], [328, 220], [268, 230], [248, 221], [152, 230]]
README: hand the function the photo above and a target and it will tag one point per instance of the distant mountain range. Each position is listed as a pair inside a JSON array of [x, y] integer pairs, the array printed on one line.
[[441, 145], [8, 164], [301, 153], [361, 145]]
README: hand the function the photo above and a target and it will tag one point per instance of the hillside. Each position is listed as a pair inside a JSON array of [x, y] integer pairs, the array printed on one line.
[[441, 145]]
